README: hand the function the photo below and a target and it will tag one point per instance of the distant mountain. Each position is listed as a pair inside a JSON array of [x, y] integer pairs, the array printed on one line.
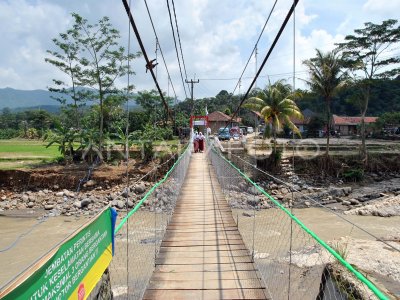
[[19, 100], [50, 108], [13, 98]]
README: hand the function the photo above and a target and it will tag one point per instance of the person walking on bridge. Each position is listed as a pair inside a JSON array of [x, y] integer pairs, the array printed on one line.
[[196, 142], [201, 142]]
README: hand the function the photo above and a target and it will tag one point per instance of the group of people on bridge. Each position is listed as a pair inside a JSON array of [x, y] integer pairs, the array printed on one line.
[[198, 142]]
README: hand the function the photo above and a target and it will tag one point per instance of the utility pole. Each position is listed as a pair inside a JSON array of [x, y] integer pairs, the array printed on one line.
[[192, 82]]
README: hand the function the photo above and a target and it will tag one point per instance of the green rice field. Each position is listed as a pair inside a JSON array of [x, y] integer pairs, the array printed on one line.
[[21, 153]]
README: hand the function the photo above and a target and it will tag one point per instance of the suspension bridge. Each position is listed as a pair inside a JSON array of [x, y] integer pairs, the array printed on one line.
[[185, 240], [189, 243]]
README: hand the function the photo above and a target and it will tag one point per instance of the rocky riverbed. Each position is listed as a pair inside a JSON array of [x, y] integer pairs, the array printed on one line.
[[378, 198], [65, 202]]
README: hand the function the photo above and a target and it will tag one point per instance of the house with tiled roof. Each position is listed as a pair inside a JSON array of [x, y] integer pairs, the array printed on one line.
[[218, 119], [350, 125], [301, 124]]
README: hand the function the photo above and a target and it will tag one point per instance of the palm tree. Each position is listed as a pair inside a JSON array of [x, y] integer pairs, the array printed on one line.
[[64, 137], [276, 105], [326, 78]]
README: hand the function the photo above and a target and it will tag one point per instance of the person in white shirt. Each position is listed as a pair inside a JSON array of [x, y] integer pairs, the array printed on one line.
[[201, 141]]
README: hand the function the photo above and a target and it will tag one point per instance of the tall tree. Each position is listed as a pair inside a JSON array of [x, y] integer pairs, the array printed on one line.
[[277, 107], [66, 59], [152, 105], [94, 60], [326, 78], [103, 61], [367, 55]]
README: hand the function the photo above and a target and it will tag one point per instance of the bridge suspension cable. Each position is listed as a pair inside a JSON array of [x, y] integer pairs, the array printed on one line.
[[255, 46], [159, 47], [176, 48], [289, 14], [148, 62], [179, 39]]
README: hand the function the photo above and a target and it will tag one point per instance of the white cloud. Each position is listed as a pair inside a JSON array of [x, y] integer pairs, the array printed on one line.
[[217, 37], [387, 8]]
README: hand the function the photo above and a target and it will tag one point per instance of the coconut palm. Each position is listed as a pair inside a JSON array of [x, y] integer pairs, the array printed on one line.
[[276, 105], [326, 78]]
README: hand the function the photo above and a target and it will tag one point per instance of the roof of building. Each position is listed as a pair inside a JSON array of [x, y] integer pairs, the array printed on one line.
[[308, 113], [339, 120], [217, 116], [297, 121]]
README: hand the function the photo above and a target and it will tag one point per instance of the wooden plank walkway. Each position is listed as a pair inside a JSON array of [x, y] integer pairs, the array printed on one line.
[[202, 255]]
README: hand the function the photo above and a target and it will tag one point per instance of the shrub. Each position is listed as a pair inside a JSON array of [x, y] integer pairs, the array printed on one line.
[[353, 175], [8, 133]]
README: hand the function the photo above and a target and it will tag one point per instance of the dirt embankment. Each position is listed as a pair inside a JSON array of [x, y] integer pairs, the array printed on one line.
[[73, 176]]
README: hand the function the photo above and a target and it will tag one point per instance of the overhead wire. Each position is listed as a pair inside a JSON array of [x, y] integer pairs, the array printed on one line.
[[255, 46], [159, 47], [251, 77], [148, 62], [176, 47]]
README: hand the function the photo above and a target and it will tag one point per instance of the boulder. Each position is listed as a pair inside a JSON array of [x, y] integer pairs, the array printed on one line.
[[252, 202], [140, 189], [337, 192], [78, 204], [254, 191], [347, 190], [354, 201], [49, 206], [69, 193], [30, 204], [120, 204], [125, 193], [85, 202], [59, 194], [284, 190], [90, 183]]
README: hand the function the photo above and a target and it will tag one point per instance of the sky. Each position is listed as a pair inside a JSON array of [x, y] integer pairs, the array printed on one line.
[[217, 38]]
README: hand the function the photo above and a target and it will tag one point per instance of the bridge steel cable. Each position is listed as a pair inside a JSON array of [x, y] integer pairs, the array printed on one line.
[[176, 47], [159, 45], [289, 14], [148, 62], [179, 39], [255, 46]]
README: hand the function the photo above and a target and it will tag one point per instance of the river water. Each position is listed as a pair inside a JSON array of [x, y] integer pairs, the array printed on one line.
[[46, 235], [33, 244]]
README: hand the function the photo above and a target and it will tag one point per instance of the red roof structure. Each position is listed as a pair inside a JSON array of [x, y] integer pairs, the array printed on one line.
[[217, 116], [338, 120]]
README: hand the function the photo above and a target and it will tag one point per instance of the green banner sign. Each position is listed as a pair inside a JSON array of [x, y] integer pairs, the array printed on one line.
[[73, 269]]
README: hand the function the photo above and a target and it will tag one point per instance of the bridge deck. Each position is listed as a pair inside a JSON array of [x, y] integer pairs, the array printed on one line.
[[202, 255]]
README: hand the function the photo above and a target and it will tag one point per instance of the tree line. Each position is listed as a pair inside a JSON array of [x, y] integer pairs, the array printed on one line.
[[358, 77]]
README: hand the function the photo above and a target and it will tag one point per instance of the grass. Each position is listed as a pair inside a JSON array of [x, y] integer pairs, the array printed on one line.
[[21, 153]]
